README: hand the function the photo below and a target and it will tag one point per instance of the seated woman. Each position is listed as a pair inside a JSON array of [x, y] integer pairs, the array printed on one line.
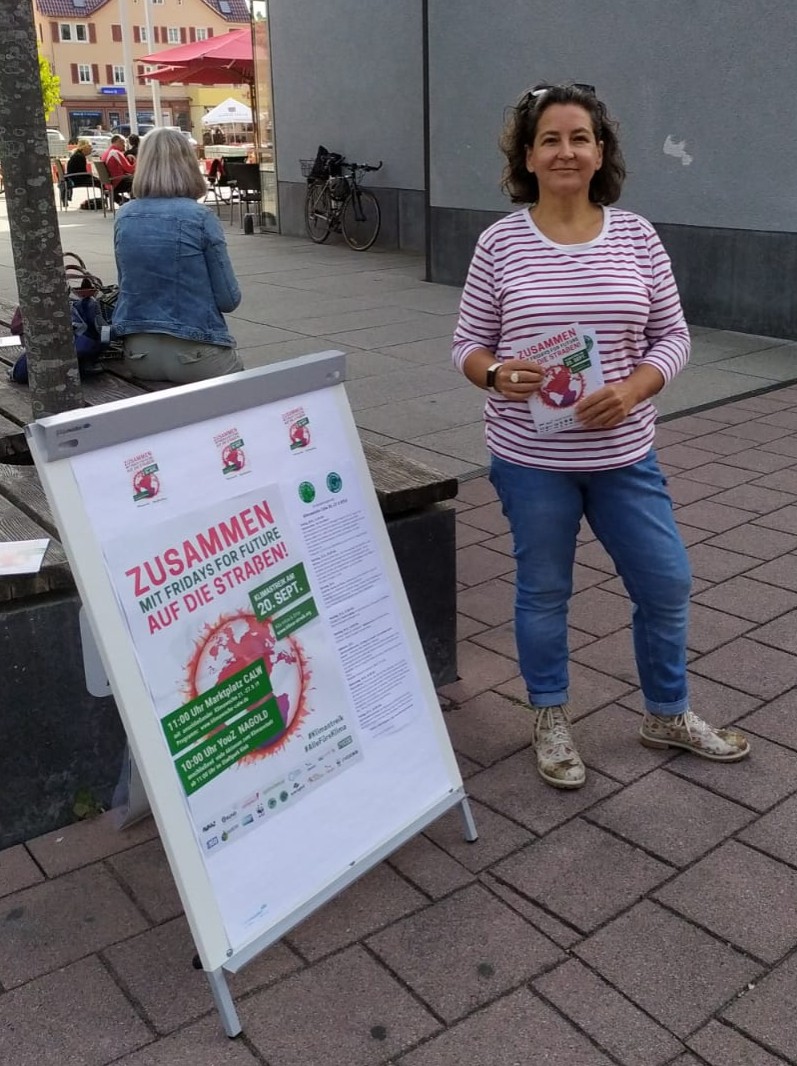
[[77, 170], [175, 276]]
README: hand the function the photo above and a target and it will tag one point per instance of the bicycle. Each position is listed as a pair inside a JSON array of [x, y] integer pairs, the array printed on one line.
[[338, 203]]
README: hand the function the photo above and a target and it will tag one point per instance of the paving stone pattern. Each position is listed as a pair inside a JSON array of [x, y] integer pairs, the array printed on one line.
[[646, 920]]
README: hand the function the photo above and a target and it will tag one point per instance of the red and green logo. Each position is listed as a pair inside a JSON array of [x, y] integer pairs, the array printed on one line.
[[300, 434], [233, 458], [146, 485]]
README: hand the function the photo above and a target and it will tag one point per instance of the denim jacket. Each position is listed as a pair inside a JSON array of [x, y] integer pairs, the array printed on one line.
[[175, 275]]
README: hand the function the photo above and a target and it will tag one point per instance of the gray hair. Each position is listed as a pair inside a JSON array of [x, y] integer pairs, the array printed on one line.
[[167, 166]]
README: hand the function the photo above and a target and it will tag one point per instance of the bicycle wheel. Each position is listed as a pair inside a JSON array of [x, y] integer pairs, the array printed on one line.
[[317, 210], [361, 219]]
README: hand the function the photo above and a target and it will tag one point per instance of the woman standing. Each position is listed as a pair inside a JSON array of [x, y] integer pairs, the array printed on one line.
[[175, 276], [570, 259]]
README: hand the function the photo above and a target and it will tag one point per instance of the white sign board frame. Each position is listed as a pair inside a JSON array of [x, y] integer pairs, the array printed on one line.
[[79, 456]]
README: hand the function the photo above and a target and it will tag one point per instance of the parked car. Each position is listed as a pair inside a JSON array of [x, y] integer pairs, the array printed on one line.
[[124, 129], [56, 142], [186, 133], [99, 142]]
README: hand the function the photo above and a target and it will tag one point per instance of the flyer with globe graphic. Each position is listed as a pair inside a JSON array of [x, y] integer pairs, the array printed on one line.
[[225, 623], [571, 366]]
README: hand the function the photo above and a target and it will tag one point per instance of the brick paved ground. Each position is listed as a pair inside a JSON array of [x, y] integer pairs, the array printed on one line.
[[647, 919]]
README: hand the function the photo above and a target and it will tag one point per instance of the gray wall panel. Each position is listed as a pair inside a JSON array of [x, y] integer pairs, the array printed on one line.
[[349, 75], [718, 76]]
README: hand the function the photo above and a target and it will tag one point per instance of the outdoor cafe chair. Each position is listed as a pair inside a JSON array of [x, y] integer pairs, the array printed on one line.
[[106, 182], [218, 180], [68, 182], [245, 179]]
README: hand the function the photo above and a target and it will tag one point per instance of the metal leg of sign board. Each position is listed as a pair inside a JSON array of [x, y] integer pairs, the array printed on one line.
[[224, 1004], [471, 833]]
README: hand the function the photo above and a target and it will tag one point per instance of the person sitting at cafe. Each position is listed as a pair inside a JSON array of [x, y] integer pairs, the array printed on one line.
[[120, 168], [133, 142], [77, 170]]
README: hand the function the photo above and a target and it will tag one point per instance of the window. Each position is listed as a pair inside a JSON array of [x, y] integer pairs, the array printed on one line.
[[84, 74], [74, 31], [173, 35], [201, 33], [224, 7], [157, 1], [142, 34], [118, 75]]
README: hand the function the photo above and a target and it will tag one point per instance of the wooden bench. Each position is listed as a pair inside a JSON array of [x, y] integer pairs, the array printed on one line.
[[59, 739]]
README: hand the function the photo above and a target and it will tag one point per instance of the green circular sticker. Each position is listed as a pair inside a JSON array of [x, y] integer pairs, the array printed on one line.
[[307, 492], [334, 482]]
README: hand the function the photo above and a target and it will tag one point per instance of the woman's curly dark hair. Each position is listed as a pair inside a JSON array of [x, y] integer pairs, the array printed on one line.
[[520, 130]]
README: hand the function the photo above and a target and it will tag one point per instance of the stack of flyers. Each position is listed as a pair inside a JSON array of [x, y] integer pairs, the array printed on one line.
[[571, 368]]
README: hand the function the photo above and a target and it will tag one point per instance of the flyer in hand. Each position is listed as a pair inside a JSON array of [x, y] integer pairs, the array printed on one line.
[[571, 367]]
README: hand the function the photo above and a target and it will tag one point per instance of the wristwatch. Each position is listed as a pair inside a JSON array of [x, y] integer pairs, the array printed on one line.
[[489, 380]]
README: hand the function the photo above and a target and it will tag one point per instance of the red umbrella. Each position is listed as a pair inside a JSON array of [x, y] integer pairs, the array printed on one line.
[[223, 60], [235, 45], [202, 75]]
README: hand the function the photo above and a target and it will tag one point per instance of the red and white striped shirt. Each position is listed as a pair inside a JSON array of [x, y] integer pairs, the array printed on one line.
[[618, 286]]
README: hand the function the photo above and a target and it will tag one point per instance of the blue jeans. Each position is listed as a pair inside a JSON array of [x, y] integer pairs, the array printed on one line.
[[630, 513]]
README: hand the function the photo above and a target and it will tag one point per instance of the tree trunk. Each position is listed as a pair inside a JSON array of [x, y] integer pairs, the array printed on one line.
[[33, 219]]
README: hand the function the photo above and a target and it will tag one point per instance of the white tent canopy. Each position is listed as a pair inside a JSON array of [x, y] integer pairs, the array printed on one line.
[[228, 111]]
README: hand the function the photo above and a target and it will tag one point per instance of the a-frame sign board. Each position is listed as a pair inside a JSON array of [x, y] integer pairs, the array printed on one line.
[[231, 556]]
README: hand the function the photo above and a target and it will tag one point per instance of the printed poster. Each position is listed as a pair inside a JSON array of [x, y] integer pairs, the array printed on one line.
[[221, 611]]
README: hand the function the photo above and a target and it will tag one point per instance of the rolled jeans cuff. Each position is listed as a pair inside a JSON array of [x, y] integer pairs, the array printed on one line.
[[667, 710], [549, 699]]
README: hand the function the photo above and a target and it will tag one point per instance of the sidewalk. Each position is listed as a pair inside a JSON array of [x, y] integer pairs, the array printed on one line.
[[647, 919]]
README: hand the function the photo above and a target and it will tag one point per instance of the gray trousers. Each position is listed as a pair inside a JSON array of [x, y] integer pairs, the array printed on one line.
[[161, 357]]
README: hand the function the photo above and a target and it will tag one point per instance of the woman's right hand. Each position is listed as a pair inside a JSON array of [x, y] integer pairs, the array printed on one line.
[[517, 379]]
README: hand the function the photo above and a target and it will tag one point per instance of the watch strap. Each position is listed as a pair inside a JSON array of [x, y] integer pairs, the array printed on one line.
[[489, 380]]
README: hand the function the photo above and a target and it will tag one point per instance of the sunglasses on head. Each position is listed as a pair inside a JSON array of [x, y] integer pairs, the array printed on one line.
[[534, 94]]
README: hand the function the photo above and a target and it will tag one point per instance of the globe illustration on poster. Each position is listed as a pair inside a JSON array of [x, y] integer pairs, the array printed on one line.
[[561, 387], [234, 642]]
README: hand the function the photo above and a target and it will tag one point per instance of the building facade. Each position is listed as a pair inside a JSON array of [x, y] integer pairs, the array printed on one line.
[[83, 41]]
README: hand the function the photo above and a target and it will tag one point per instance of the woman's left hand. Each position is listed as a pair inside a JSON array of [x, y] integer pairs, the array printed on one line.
[[607, 407]]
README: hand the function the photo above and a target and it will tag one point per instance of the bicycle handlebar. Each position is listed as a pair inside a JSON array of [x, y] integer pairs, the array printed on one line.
[[363, 166]]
